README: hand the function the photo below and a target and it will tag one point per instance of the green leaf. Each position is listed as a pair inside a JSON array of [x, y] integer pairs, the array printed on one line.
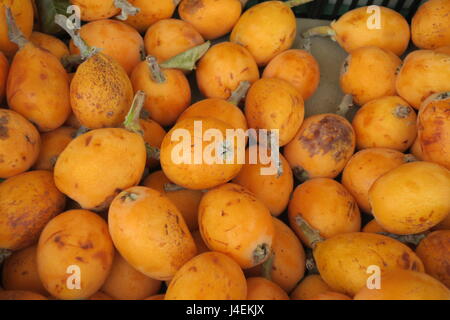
[[47, 10]]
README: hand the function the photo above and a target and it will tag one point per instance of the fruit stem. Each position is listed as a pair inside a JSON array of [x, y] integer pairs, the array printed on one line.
[[267, 267], [306, 44], [402, 112], [280, 169], [310, 263], [408, 238], [312, 235], [295, 3], [345, 105], [14, 32], [85, 50], [320, 31], [81, 130], [300, 173], [261, 253], [152, 152], [128, 196], [409, 158], [170, 187], [155, 70], [127, 9], [4, 254], [186, 60], [239, 93], [71, 60], [131, 122]]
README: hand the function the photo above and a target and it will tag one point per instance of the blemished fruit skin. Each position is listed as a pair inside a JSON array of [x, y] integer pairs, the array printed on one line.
[[387, 122], [75, 242], [430, 25], [20, 143], [298, 67], [406, 285], [434, 129], [23, 14], [275, 104], [212, 18], [434, 251], [116, 39], [126, 283], [208, 276], [28, 201], [100, 92], [20, 271], [259, 288], [265, 29], [33, 69], [411, 198], [423, 73], [321, 147], [96, 10], [223, 67], [224, 213], [169, 37], [288, 258], [369, 73], [170, 245], [357, 251], [187, 201], [80, 169], [151, 11], [352, 30], [364, 168], [311, 286], [339, 214], [178, 155]]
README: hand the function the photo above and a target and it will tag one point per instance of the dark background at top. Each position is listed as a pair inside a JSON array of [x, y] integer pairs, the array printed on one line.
[[330, 10]]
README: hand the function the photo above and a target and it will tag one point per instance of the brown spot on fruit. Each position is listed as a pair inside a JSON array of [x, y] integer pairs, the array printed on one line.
[[193, 269], [87, 141], [405, 260], [58, 241], [192, 6], [86, 245], [328, 135]]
